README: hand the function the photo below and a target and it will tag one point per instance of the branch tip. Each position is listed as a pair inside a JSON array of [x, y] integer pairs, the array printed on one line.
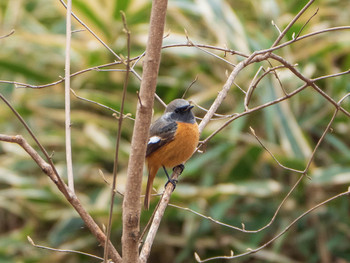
[[30, 241], [196, 256], [252, 130]]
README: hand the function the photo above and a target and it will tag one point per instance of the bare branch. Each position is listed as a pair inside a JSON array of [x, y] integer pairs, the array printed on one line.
[[67, 99], [251, 89], [251, 251], [7, 35], [108, 183], [274, 24], [62, 250], [343, 98], [56, 179], [128, 115], [221, 96], [131, 202], [292, 23], [91, 32], [194, 81], [150, 221], [302, 28], [25, 85], [309, 82], [331, 75], [206, 51], [273, 69], [276, 160], [51, 171], [320, 140], [243, 229], [225, 50], [236, 116], [163, 203], [120, 123], [301, 38], [100, 40], [71, 198]]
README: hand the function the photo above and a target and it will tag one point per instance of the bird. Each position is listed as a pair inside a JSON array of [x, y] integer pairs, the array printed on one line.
[[173, 139]]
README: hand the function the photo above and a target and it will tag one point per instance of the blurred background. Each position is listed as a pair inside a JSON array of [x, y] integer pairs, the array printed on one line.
[[234, 181]]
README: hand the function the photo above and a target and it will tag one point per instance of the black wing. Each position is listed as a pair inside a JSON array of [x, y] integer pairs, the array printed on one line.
[[163, 131]]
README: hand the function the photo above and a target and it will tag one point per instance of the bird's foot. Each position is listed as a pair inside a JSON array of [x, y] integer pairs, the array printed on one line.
[[173, 182], [170, 180], [181, 166]]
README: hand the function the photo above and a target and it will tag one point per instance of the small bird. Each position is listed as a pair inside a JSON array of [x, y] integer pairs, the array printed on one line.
[[172, 141]]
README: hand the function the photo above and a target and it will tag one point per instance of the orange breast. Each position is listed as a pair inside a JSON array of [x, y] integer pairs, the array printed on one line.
[[178, 150]]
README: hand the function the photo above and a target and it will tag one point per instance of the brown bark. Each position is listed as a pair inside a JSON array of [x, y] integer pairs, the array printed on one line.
[[131, 203]]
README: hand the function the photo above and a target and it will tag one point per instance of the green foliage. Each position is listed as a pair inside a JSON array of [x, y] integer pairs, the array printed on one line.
[[235, 180]]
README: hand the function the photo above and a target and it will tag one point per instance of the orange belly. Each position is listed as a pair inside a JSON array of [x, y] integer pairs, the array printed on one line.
[[178, 150]]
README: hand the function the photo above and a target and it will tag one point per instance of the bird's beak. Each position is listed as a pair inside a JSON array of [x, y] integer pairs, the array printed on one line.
[[190, 107]]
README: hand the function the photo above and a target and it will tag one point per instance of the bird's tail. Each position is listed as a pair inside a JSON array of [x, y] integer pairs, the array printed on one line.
[[149, 187]]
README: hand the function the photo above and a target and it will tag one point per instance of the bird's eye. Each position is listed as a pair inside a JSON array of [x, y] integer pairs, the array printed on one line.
[[177, 110]]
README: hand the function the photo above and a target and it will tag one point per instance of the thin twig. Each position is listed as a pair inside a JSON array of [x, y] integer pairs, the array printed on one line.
[[108, 183], [243, 229], [120, 122], [225, 50], [56, 178], [7, 35], [331, 75], [205, 141], [72, 199], [128, 115], [274, 24], [111, 70], [206, 51], [138, 59], [302, 28], [109, 49], [25, 85], [67, 99], [163, 203], [241, 65], [301, 38], [51, 171], [273, 69], [308, 81], [194, 81], [276, 160], [221, 95], [233, 52], [100, 40], [62, 250], [343, 98], [251, 89], [320, 140], [292, 23], [251, 251], [91, 32], [149, 221]]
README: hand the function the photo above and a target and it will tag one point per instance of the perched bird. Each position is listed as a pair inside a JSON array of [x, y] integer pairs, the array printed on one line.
[[172, 141]]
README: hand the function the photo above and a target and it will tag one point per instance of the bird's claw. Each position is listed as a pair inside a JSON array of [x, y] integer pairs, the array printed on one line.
[[181, 166], [173, 182]]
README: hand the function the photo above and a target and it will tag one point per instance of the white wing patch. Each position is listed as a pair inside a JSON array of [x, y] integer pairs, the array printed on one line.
[[154, 139]]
